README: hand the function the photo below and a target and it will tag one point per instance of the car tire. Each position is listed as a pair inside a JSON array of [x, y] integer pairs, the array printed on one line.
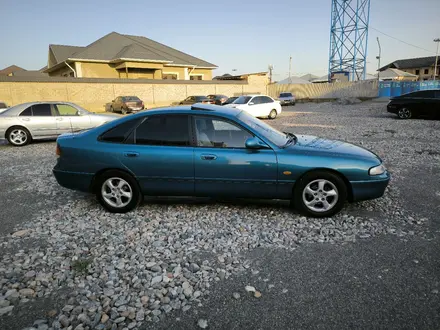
[[273, 114], [123, 111], [404, 113], [116, 187], [313, 188], [18, 136], [111, 109]]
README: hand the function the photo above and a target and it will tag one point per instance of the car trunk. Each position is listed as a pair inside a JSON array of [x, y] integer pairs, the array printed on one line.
[[134, 104]]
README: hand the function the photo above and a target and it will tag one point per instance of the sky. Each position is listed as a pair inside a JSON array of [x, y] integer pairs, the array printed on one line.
[[244, 35]]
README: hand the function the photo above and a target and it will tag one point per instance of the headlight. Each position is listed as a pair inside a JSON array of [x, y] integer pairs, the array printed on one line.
[[377, 170]]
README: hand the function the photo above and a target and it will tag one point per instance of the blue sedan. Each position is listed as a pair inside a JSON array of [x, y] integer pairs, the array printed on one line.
[[212, 151]]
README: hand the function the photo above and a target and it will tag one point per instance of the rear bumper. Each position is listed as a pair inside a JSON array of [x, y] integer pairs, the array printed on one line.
[[74, 180], [365, 190], [287, 102]]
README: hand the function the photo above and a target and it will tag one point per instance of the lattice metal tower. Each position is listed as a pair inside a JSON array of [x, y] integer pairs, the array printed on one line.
[[349, 37]]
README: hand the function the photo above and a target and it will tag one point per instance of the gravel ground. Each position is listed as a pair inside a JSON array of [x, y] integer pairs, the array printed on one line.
[[88, 269]]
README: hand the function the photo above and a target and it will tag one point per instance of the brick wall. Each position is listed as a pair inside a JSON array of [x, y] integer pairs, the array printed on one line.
[[95, 94]]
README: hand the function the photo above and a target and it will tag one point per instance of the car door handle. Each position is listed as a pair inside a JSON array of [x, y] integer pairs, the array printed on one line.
[[59, 119], [25, 119], [208, 157], [131, 154]]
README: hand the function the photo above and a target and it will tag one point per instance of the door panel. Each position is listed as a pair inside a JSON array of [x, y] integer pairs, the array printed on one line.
[[224, 167], [235, 172], [161, 171], [159, 153], [69, 120], [42, 123]]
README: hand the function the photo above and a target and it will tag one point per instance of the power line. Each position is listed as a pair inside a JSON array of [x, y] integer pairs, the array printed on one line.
[[407, 43]]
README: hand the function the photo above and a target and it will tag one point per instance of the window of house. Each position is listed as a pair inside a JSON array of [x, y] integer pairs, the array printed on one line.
[[426, 71], [195, 77], [417, 71], [66, 110], [119, 133], [172, 76], [163, 130], [218, 133], [42, 110]]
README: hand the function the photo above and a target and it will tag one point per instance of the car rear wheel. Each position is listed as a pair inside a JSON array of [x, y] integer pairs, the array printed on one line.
[[273, 114], [118, 192], [18, 136], [404, 113], [123, 111], [319, 194], [111, 109]]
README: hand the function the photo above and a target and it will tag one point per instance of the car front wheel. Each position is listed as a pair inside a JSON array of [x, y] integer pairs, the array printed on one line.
[[18, 136], [404, 113], [118, 192], [319, 194]]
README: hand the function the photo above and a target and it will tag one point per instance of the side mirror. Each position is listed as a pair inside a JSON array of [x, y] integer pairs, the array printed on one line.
[[255, 143], [113, 100]]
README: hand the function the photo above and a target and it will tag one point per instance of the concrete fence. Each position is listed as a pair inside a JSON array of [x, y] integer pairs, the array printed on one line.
[[95, 94], [363, 89]]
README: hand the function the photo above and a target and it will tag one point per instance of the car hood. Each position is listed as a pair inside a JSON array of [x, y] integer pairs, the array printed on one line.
[[321, 146]]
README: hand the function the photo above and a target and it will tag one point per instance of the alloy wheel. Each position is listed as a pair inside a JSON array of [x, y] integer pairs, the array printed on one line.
[[320, 195], [18, 136], [116, 192], [404, 113]]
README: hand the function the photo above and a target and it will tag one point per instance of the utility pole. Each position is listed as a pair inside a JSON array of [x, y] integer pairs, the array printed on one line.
[[290, 69], [270, 73], [436, 57], [378, 60]]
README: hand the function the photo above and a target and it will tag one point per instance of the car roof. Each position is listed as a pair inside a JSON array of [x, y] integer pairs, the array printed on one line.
[[17, 109], [197, 108]]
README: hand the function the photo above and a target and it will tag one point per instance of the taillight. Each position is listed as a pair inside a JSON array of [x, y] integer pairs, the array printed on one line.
[[58, 150]]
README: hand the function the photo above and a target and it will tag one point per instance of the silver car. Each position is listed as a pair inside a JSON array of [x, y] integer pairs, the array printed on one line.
[[25, 122]]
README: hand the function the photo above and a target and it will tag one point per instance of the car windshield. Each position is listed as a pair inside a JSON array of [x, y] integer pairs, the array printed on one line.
[[263, 129], [286, 95], [242, 100]]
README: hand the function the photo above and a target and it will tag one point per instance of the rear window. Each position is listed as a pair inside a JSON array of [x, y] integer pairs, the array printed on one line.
[[130, 99], [286, 95], [242, 100], [27, 112], [119, 133]]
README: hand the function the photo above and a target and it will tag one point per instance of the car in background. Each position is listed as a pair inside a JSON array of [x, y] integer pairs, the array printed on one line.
[[261, 106], [25, 122], [127, 104], [195, 99], [217, 99], [210, 151], [286, 98], [416, 104], [230, 100], [3, 107]]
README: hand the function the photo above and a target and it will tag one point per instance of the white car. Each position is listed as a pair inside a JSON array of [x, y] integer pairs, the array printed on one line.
[[3, 107], [261, 106]]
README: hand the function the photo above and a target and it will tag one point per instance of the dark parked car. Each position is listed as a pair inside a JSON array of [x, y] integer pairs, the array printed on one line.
[[230, 100], [415, 104], [127, 104], [217, 99], [211, 151], [195, 99]]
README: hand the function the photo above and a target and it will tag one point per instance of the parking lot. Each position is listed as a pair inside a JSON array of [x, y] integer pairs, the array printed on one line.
[[374, 265]]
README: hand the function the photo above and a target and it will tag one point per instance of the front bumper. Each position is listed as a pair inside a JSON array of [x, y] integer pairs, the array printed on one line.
[[74, 180], [371, 189], [392, 108]]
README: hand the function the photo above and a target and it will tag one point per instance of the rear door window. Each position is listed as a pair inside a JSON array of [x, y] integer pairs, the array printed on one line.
[[163, 130], [41, 110]]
